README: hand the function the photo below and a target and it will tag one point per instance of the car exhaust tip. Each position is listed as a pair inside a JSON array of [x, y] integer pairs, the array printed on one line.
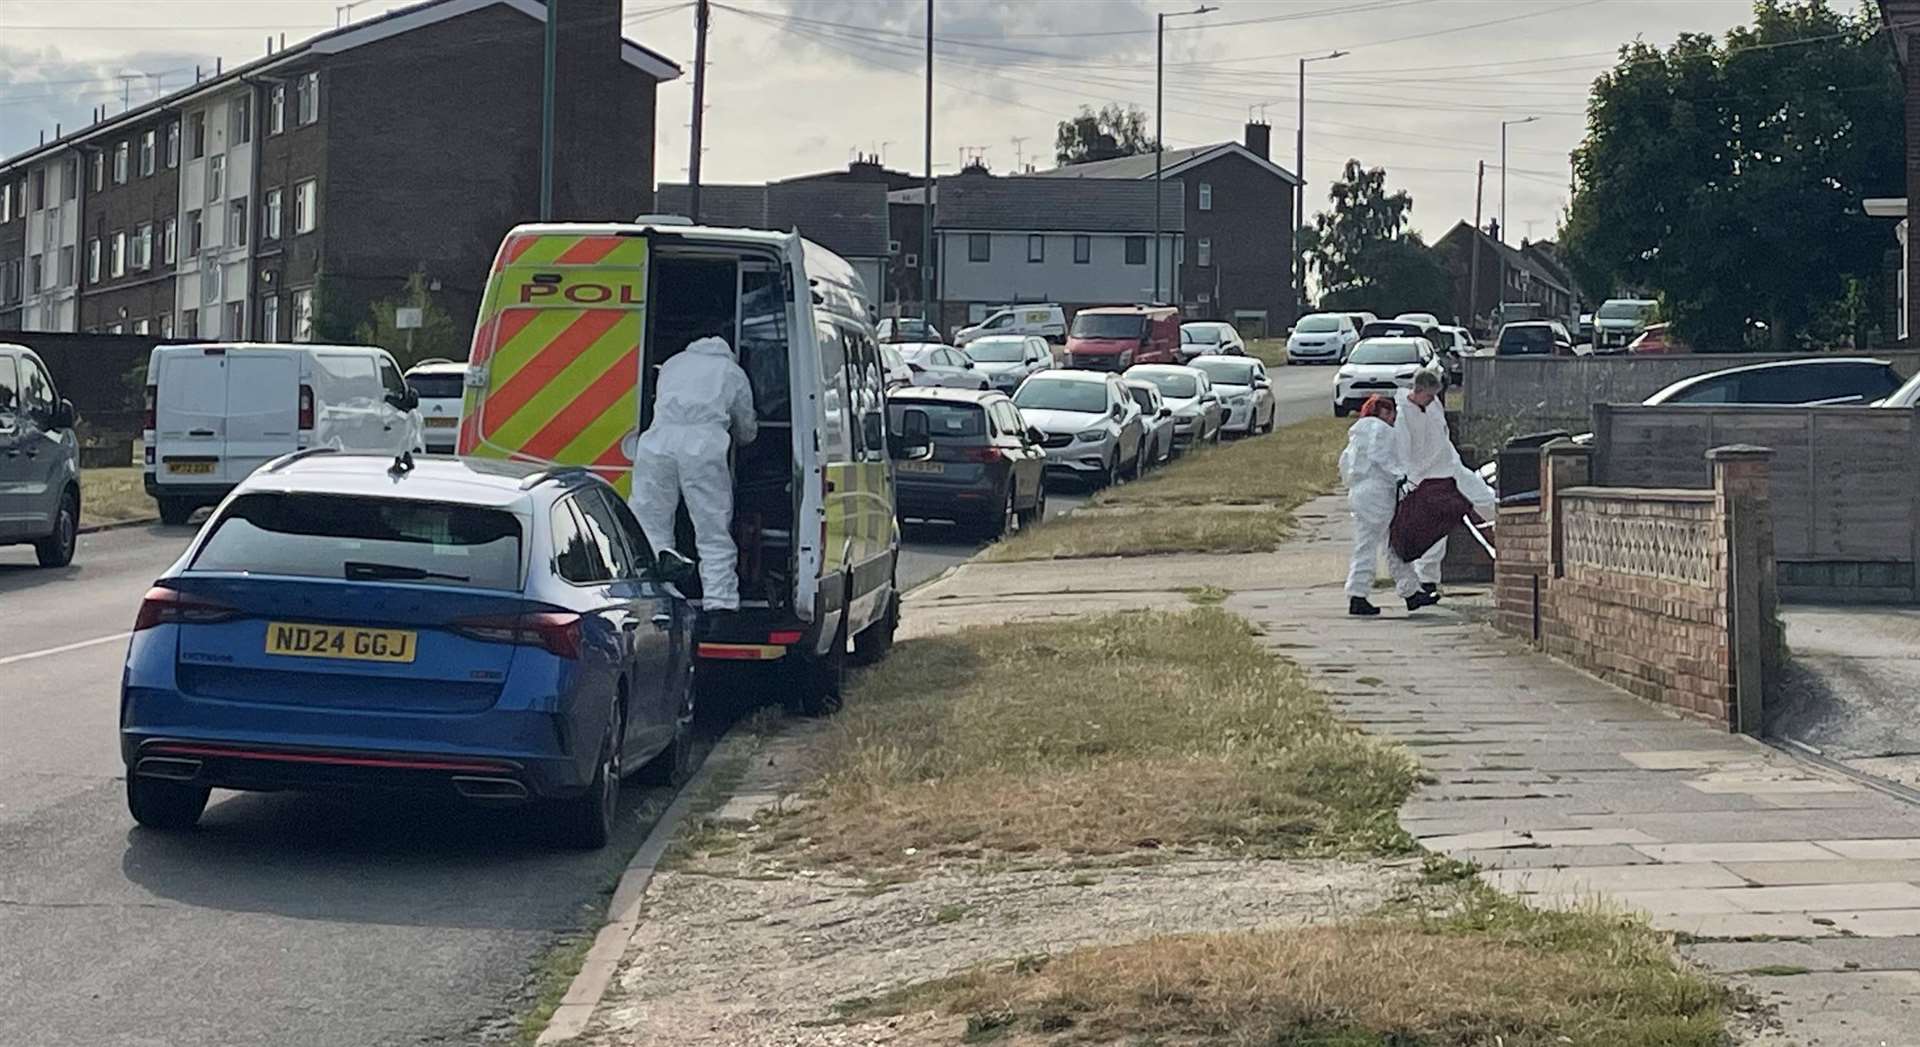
[[171, 768], [492, 790]]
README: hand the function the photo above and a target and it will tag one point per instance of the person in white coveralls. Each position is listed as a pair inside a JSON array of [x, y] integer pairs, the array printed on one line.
[[1371, 469], [1426, 450]]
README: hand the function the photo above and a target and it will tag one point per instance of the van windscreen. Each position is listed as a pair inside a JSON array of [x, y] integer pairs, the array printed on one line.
[[365, 539], [1108, 325]]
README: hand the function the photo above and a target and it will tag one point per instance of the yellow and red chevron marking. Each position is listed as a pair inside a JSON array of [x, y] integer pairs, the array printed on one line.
[[551, 249]]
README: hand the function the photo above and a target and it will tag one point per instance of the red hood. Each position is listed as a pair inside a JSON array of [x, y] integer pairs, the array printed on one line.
[[1103, 346]]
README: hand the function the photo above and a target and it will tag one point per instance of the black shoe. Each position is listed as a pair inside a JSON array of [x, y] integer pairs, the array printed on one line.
[[1421, 599], [1431, 589], [1358, 605]]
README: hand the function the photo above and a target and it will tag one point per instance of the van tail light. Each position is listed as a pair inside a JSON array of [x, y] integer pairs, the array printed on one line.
[[164, 606], [306, 407], [557, 632], [153, 400], [982, 454]]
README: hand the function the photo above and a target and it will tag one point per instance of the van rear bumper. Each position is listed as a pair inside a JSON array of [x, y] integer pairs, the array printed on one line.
[[201, 492]]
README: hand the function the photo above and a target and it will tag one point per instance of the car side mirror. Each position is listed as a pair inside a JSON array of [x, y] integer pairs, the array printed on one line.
[[1166, 412], [63, 416], [914, 441], [1034, 435], [967, 363], [1262, 383], [404, 400], [1118, 412]]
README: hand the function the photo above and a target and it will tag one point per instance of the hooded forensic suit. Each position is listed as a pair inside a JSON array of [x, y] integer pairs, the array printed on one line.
[[1425, 449], [701, 397], [1371, 468]]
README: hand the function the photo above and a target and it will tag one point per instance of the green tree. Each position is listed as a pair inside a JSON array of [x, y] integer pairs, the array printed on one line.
[[1114, 131], [1727, 177], [437, 335], [1363, 255]]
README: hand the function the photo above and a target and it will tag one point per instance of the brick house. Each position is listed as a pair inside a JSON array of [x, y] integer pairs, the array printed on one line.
[[284, 196], [1238, 220], [1507, 274]]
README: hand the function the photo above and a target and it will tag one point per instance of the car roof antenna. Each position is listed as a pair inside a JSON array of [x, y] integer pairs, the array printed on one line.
[[402, 465]]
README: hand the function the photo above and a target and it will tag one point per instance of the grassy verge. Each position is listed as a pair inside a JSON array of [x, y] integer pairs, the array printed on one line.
[[1095, 737], [113, 496], [1199, 503], [1482, 969], [1269, 351]]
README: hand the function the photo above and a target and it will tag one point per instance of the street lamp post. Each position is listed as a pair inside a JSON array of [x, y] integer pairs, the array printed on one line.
[[1504, 124], [1160, 124], [1300, 168]]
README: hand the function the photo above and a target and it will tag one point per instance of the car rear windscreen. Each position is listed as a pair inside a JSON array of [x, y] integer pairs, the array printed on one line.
[[438, 386], [1178, 386], [1141, 397], [944, 421], [1524, 340], [365, 539], [1384, 353], [1225, 372]]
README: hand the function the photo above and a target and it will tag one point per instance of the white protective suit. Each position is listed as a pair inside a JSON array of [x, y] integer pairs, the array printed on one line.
[[1371, 469], [702, 395], [1425, 448]]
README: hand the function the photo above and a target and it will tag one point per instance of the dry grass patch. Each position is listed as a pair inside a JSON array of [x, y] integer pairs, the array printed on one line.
[[1096, 736], [114, 495], [1206, 501], [1486, 971]]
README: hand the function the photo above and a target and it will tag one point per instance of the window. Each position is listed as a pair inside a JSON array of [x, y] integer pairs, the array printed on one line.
[[979, 247], [36, 389], [1206, 196], [307, 98], [9, 391], [143, 246], [303, 206], [120, 153], [93, 260], [99, 171], [604, 528], [40, 189], [164, 325], [190, 323], [33, 274], [67, 262], [1136, 250], [210, 285], [173, 145], [270, 215], [216, 179], [120, 253], [277, 109], [141, 327], [302, 316], [170, 241], [236, 320], [116, 328], [196, 136], [146, 153], [237, 223], [1205, 255], [1036, 248], [364, 539], [270, 318], [6, 203], [893, 247], [574, 557], [911, 261], [240, 121], [1082, 250], [194, 233]]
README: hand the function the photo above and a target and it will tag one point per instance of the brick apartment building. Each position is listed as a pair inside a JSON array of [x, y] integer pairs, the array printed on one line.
[[279, 199]]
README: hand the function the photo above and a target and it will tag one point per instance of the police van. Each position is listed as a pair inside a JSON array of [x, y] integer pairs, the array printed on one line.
[[574, 324]]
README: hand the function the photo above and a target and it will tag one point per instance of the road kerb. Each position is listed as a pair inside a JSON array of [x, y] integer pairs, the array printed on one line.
[[583, 997], [116, 525]]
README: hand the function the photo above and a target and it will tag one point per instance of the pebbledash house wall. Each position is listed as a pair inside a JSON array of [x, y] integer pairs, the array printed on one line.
[[1666, 593]]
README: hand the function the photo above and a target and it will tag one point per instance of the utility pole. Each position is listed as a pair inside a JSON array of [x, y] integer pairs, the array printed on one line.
[[700, 17], [1473, 267], [1160, 125], [1300, 168], [1018, 156], [926, 198], [546, 112]]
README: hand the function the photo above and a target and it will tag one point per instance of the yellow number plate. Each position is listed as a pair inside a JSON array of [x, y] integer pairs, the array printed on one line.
[[441, 422], [333, 641], [205, 468], [932, 468]]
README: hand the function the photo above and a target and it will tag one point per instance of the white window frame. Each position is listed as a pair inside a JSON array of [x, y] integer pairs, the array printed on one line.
[[1206, 196], [306, 206], [173, 145], [1203, 252], [93, 260], [237, 222], [276, 109], [121, 153], [216, 178], [118, 254], [302, 315], [240, 120], [269, 318], [306, 96], [270, 214], [147, 149], [99, 171], [170, 241], [143, 246]]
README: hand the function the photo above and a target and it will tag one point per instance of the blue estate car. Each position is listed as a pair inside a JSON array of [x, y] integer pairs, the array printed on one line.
[[438, 625]]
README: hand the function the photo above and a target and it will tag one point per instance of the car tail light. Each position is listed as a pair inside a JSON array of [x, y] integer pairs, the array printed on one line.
[[556, 631], [153, 399], [168, 607], [785, 636], [306, 406], [982, 454]]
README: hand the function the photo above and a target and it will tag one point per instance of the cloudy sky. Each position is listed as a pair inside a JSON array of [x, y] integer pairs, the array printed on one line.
[[800, 85]]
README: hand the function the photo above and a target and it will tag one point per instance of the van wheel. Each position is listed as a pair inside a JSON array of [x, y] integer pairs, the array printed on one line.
[[823, 677], [160, 804], [871, 644], [174, 511], [56, 549]]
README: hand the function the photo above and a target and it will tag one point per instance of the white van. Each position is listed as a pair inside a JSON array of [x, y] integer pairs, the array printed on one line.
[[1045, 319], [217, 412]]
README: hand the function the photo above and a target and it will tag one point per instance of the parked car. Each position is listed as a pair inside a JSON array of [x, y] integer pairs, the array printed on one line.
[[1245, 393], [1045, 319], [1091, 428], [988, 470], [1453, 355], [439, 626], [1619, 321], [934, 364], [1821, 380], [906, 329], [1658, 338], [1210, 337], [39, 460], [1198, 414], [218, 411], [1420, 318], [894, 370], [1534, 338], [440, 386], [1406, 329], [1381, 366], [1322, 338], [1156, 416], [1114, 338], [1361, 319], [1006, 360]]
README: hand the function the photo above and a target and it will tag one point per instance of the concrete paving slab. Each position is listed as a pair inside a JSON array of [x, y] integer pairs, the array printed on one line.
[[1738, 957], [1877, 923], [1874, 848], [1488, 839], [1611, 878], [1844, 870], [1589, 837], [1847, 1009], [1871, 954], [1775, 787], [1761, 851], [1845, 897], [1553, 857], [1688, 759], [1741, 925]]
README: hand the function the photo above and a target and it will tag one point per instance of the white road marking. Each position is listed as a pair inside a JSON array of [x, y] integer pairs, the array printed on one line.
[[63, 648]]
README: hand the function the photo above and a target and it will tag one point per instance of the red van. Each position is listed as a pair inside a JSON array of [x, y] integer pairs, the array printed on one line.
[[1115, 337]]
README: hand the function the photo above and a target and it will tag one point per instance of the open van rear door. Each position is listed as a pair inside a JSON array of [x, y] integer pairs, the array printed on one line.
[[803, 355], [555, 371]]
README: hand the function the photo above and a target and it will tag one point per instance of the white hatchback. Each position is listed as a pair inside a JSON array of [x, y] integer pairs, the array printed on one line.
[[441, 386]]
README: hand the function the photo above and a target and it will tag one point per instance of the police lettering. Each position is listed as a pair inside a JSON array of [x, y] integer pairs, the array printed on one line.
[[583, 293]]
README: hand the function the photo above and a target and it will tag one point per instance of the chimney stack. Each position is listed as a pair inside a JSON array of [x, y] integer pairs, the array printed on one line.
[[1260, 139]]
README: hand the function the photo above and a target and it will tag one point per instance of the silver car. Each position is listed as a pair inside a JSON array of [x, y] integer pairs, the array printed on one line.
[[1245, 392], [1007, 359], [936, 364], [1157, 417], [1092, 429], [1197, 413], [39, 460]]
